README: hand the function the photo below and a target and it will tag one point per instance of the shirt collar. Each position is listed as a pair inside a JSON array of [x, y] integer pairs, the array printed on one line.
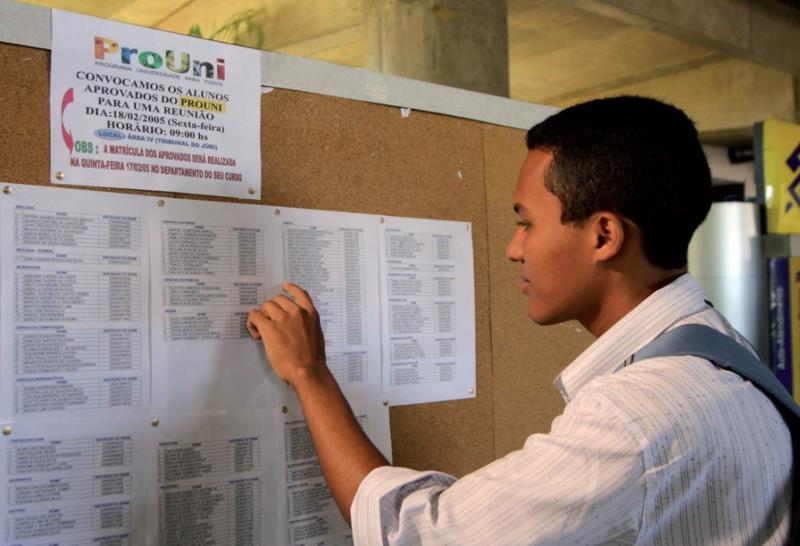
[[679, 299]]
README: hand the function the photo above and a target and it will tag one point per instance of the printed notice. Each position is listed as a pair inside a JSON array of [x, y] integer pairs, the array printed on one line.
[[428, 312], [312, 515], [75, 271], [139, 108], [331, 255], [73, 484], [216, 481], [211, 268]]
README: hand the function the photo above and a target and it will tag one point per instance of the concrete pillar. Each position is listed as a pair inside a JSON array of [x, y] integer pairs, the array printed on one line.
[[460, 43]]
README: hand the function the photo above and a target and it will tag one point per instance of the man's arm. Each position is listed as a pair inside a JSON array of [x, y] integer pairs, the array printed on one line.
[[295, 346]]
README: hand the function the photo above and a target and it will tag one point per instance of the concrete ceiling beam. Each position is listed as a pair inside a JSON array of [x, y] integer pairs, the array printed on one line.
[[759, 30], [724, 98]]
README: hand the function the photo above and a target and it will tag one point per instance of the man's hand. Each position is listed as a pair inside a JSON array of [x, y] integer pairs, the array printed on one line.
[[291, 334], [293, 338]]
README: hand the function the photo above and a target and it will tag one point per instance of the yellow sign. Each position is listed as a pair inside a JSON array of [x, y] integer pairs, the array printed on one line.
[[203, 104], [778, 173]]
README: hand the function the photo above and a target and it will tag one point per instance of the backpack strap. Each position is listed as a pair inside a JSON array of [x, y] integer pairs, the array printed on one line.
[[710, 344], [713, 345]]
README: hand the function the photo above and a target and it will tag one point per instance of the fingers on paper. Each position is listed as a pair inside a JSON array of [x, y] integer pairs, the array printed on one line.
[[256, 321], [300, 296]]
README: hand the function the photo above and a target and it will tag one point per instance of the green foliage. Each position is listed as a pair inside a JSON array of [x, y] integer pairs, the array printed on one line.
[[196, 31], [243, 28]]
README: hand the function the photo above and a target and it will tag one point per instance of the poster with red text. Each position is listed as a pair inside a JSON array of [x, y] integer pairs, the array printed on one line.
[[132, 107]]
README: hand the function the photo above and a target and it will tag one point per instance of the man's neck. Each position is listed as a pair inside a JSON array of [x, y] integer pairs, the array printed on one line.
[[624, 292]]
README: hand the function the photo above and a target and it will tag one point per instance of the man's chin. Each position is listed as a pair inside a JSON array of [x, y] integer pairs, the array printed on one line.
[[544, 319]]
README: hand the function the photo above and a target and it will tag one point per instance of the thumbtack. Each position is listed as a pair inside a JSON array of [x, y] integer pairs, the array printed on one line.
[[7, 430], [6, 190], [277, 212], [471, 390], [251, 191], [60, 175], [284, 409], [160, 202], [154, 422], [381, 220], [385, 402]]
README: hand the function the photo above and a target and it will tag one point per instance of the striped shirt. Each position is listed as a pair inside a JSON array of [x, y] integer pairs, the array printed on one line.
[[668, 451]]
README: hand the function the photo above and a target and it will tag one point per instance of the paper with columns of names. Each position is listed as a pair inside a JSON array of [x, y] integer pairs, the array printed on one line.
[[215, 480], [427, 311], [312, 517], [212, 263], [75, 283], [70, 482], [331, 255], [119, 309]]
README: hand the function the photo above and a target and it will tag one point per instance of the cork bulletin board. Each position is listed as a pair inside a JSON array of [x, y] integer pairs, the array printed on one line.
[[321, 152]]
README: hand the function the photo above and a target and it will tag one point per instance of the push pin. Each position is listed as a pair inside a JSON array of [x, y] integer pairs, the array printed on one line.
[[60, 175], [385, 402], [277, 212], [284, 409], [381, 220], [7, 190], [251, 191], [160, 203], [154, 422], [7, 430]]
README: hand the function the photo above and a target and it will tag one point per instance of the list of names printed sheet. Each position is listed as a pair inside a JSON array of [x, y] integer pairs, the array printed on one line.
[[75, 273], [328, 254], [64, 484], [312, 515], [216, 481], [428, 311], [212, 267]]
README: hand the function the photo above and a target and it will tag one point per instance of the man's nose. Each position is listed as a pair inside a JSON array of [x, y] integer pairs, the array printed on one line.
[[514, 247]]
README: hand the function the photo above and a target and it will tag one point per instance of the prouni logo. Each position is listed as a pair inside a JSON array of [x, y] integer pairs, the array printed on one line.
[[109, 51]]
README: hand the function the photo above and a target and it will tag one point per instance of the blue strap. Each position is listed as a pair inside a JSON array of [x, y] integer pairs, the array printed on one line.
[[708, 343]]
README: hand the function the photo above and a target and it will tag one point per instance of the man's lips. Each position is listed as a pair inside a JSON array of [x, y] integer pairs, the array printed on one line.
[[524, 284]]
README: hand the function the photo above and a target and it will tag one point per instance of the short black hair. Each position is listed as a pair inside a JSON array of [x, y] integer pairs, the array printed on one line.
[[634, 156]]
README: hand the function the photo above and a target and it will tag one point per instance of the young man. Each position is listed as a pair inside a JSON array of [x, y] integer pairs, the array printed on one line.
[[668, 450]]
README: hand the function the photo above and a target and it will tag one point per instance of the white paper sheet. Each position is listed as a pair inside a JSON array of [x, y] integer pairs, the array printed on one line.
[[214, 481], [332, 255], [211, 266], [428, 310], [75, 280], [71, 482], [133, 107], [310, 516]]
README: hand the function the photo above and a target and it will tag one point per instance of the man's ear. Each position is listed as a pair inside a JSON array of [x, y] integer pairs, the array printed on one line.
[[608, 232]]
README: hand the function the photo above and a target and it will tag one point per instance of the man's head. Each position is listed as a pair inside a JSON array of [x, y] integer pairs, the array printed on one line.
[[636, 157], [628, 183]]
